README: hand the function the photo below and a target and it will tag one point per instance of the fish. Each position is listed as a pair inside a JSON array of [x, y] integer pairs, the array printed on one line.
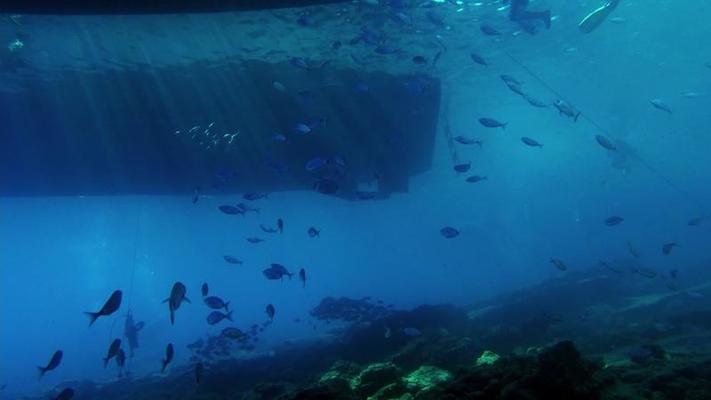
[[177, 296], [632, 249], [52, 364], [492, 123], [279, 86], [515, 87], [245, 208], [216, 303], [449, 232], [232, 260], [478, 59], [302, 277], [419, 60], [232, 333], [254, 240], [315, 164], [276, 271], [667, 248], [168, 357], [204, 289], [605, 142], [230, 210], [530, 142], [121, 358], [614, 220], [535, 102], [488, 30], [196, 195], [509, 78], [270, 312], [130, 331], [280, 225], [559, 264], [267, 229], [467, 140], [660, 105], [251, 196], [313, 232], [464, 167], [278, 137], [299, 62], [302, 128], [696, 221], [111, 305], [476, 178], [65, 394], [385, 49], [216, 316], [114, 347], [566, 109], [198, 372]]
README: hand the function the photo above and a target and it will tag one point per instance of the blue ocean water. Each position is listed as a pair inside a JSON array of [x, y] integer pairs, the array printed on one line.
[[64, 248]]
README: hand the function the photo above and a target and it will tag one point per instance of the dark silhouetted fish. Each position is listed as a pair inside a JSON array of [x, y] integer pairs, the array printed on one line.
[[464, 167], [114, 348], [130, 331], [270, 311], [449, 232], [566, 109], [696, 221], [515, 87], [419, 60], [52, 364], [489, 30], [659, 105], [177, 296], [466, 140], [535, 102], [476, 178], [233, 333], [217, 303], [280, 225], [559, 264], [111, 305], [267, 229], [313, 232], [302, 277], [246, 208], [198, 372], [254, 239], [230, 210], [65, 394], [251, 196], [614, 220], [204, 289], [276, 271], [168, 357], [478, 59], [509, 78], [605, 142], [530, 142], [492, 123], [632, 249], [216, 316], [232, 260], [667, 248]]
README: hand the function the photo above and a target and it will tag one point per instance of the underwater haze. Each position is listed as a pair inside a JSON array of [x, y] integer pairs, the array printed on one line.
[[439, 191]]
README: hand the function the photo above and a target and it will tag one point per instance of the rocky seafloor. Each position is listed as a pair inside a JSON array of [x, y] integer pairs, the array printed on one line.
[[591, 335]]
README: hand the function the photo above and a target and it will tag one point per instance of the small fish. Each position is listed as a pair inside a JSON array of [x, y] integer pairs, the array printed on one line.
[[276, 271], [245, 208], [614, 220], [65, 394], [254, 239], [113, 351], [667, 248], [535, 102], [251, 196], [270, 311], [696, 221], [449, 232], [463, 167], [232, 260], [279, 86], [232, 333], [267, 229], [478, 59], [659, 104], [559, 264], [196, 195], [515, 87], [230, 210], [168, 357], [278, 137], [605, 142], [302, 277], [489, 30], [492, 123], [217, 303], [509, 78], [419, 60], [280, 225], [302, 128], [299, 62], [111, 305], [566, 109], [385, 49], [530, 142], [632, 249], [216, 316], [177, 296], [52, 364], [313, 232], [204, 289], [467, 140], [198, 372], [315, 164], [476, 178]]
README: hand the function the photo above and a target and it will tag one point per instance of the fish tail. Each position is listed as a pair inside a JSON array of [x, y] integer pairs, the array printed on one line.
[[40, 372], [576, 117], [165, 364], [229, 315], [227, 306], [93, 316]]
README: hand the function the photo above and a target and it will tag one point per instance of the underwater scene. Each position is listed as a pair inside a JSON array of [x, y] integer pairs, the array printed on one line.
[[370, 199]]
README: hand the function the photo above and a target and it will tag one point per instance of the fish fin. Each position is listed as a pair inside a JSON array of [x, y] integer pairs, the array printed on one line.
[[188, 300], [93, 316], [41, 371], [229, 315], [227, 306], [165, 301]]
